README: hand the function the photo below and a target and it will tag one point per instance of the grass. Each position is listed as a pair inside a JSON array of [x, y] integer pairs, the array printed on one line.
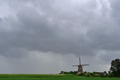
[[49, 77]]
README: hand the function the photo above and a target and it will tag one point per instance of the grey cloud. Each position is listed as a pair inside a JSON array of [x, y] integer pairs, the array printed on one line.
[[59, 32], [39, 63], [46, 63], [115, 11], [36, 33], [108, 56], [1, 20], [105, 33]]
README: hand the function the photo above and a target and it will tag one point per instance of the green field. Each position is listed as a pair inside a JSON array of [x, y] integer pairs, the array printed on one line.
[[49, 77]]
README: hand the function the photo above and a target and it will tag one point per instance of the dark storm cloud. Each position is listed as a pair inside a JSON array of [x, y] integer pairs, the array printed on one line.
[[108, 56], [104, 33], [48, 26], [0, 19], [115, 13], [33, 31], [109, 38]]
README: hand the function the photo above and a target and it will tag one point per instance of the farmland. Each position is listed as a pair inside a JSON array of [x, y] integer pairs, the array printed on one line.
[[49, 77]]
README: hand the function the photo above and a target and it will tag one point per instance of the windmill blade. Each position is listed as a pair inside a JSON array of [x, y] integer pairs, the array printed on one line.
[[75, 65], [79, 61], [85, 64]]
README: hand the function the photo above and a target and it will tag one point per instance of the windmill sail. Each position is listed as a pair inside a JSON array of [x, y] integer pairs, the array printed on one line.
[[85, 64], [79, 61]]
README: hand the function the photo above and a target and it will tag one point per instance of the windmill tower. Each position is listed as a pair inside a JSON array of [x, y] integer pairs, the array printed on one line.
[[80, 69]]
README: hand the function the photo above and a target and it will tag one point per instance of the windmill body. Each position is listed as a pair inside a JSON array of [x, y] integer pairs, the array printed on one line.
[[80, 69]]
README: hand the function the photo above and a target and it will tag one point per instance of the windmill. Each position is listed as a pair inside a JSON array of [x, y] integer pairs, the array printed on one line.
[[80, 69]]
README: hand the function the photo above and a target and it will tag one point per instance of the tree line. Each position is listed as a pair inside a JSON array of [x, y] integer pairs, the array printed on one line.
[[113, 72]]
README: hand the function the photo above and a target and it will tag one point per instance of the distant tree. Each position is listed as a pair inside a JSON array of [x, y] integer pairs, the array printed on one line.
[[85, 72], [115, 67], [75, 72], [71, 72], [81, 74]]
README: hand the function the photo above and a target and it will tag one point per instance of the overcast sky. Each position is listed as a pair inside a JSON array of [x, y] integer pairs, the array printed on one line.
[[48, 36]]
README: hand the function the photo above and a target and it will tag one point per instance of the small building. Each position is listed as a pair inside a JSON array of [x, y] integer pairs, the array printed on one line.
[[78, 72], [102, 73]]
